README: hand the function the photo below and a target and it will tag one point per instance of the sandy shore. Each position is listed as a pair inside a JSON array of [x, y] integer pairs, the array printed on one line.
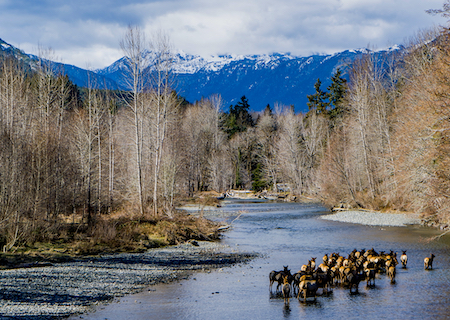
[[73, 288], [373, 218]]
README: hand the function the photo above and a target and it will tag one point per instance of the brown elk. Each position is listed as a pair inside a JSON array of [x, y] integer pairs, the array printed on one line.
[[404, 259], [370, 276], [277, 276], [391, 273], [353, 279], [286, 289], [325, 259], [312, 264], [323, 279], [428, 262], [307, 288], [297, 276]]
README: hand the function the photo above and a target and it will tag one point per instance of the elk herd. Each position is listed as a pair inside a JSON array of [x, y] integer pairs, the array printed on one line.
[[335, 270]]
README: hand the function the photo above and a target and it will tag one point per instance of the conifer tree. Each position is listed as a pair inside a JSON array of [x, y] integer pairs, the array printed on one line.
[[336, 94], [239, 118], [318, 100]]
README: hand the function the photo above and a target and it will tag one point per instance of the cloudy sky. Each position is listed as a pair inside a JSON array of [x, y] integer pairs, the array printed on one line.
[[86, 33]]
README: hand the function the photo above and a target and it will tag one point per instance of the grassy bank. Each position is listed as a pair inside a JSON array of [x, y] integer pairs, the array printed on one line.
[[72, 238]]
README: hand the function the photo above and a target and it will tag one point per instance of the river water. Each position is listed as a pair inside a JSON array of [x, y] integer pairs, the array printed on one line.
[[289, 234]]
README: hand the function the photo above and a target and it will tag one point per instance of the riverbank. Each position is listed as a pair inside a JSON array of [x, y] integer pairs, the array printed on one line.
[[373, 218], [119, 232], [75, 287]]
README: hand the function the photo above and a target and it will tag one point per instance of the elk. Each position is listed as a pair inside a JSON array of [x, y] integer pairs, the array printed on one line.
[[277, 276], [404, 259], [391, 273], [297, 276], [286, 289], [325, 259], [428, 262], [312, 264], [370, 276], [307, 288], [353, 279]]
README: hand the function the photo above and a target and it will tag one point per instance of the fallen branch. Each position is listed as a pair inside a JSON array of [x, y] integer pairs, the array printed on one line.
[[240, 214], [440, 235], [229, 225], [429, 239]]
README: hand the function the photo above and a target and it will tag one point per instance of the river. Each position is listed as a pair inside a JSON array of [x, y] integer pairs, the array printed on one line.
[[289, 234]]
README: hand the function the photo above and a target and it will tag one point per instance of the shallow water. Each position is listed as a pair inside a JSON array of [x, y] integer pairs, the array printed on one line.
[[290, 234]]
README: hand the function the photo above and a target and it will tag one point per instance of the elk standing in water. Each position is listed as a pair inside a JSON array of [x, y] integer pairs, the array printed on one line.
[[391, 273], [286, 289], [353, 278], [307, 288], [312, 264], [370, 273], [277, 276], [428, 262], [404, 259]]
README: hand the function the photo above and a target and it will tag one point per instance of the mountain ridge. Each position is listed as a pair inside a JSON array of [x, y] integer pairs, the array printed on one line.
[[277, 78]]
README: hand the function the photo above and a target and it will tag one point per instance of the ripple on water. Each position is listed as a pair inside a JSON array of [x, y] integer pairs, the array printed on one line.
[[290, 234]]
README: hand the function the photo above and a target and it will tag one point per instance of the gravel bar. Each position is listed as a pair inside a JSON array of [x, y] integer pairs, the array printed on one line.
[[66, 289], [372, 218]]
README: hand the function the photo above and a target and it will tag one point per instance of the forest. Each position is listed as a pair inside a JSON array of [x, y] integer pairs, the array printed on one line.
[[84, 156]]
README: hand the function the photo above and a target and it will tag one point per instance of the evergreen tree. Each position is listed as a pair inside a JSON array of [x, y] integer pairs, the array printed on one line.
[[238, 119], [241, 111], [229, 124], [318, 100], [258, 183], [337, 90]]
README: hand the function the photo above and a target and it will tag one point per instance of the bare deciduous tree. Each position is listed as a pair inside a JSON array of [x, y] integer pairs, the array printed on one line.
[[133, 46], [291, 154]]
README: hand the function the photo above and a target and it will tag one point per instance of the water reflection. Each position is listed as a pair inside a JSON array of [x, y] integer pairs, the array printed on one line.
[[290, 234], [286, 311]]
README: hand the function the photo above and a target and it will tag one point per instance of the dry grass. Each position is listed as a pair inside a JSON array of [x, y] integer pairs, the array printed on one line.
[[121, 233], [116, 232], [204, 198]]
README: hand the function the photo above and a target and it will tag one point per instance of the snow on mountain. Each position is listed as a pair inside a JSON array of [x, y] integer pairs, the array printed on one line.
[[278, 78], [4, 45], [190, 64], [6, 48]]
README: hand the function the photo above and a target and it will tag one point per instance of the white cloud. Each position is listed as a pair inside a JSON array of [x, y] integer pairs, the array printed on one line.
[[87, 31]]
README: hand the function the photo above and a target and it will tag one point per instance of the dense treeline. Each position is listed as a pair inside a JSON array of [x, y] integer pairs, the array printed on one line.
[[390, 150], [380, 141]]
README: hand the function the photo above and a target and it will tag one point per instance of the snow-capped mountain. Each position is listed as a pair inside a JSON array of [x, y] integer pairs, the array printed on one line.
[[79, 76], [264, 79]]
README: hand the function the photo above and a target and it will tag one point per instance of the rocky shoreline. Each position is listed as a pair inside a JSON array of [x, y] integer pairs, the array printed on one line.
[[373, 218], [71, 288]]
